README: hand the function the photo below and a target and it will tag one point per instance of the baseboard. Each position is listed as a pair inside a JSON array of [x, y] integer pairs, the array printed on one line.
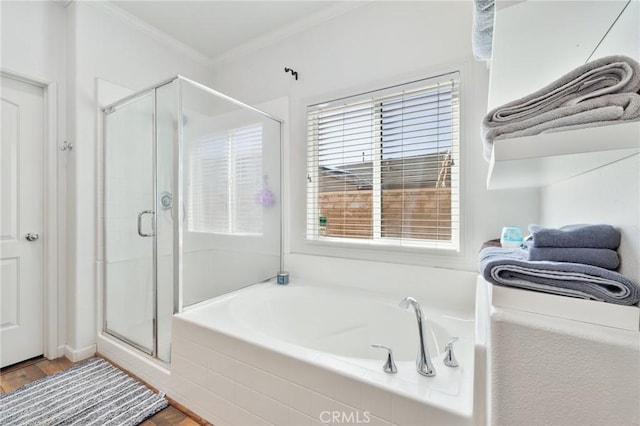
[[76, 355], [61, 351]]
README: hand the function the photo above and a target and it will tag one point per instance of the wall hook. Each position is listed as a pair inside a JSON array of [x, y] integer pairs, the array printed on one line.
[[293, 73], [66, 146]]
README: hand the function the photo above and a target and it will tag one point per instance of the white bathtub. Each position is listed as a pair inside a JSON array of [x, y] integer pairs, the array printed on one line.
[[300, 354]]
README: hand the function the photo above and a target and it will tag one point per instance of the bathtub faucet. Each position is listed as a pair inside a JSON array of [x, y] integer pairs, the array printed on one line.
[[423, 363]]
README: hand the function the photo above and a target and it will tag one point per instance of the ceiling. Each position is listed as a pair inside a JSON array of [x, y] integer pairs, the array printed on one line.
[[214, 28]]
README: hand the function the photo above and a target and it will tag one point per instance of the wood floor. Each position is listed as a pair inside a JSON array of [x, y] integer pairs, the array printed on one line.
[[14, 376]]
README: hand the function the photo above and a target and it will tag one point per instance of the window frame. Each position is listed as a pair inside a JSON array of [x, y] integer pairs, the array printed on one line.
[[378, 243]]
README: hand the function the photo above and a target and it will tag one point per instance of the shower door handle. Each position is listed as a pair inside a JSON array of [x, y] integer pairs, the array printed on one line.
[[153, 223]]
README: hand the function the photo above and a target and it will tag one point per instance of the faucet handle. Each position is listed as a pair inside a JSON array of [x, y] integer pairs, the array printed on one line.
[[408, 301], [390, 365], [449, 357]]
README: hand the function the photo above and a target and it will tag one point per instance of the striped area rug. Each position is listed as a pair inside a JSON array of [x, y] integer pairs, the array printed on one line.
[[90, 393]]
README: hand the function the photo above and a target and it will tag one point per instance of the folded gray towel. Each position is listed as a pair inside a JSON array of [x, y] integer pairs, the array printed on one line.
[[602, 258], [509, 267], [482, 34], [600, 92], [585, 236]]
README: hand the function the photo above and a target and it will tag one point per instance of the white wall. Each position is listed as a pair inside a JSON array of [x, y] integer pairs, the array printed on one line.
[[101, 44], [370, 47], [33, 45]]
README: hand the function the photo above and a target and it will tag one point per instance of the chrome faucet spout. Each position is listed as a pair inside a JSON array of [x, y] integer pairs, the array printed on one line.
[[424, 365]]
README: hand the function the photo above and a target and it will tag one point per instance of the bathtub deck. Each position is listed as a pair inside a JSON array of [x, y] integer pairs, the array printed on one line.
[[258, 356]]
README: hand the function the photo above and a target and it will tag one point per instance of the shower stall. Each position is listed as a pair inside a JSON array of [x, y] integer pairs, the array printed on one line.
[[191, 206]]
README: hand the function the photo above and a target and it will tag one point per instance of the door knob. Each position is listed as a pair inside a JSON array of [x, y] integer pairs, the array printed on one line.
[[32, 236]]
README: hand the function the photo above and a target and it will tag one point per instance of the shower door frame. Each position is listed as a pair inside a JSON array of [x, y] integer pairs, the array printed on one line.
[[154, 143]]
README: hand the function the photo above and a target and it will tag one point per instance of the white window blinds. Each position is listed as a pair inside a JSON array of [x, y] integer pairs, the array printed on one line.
[[225, 176], [382, 167]]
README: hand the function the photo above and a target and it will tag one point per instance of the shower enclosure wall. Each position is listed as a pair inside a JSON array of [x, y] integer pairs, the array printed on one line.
[[192, 206]]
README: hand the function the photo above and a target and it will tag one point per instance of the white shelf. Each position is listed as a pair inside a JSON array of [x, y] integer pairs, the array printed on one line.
[[587, 311], [540, 160]]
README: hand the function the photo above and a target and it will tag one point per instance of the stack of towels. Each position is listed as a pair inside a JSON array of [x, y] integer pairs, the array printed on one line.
[[575, 260], [600, 92]]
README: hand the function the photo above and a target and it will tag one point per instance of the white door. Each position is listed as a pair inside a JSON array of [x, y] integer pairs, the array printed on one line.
[[21, 221]]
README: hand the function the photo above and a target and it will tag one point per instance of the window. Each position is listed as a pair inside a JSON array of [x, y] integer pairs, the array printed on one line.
[[382, 167], [225, 176]]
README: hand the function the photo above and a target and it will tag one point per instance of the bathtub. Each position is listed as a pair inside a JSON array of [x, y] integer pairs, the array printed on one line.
[[301, 355]]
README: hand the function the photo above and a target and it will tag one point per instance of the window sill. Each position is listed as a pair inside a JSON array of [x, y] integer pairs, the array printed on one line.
[[387, 244], [421, 256]]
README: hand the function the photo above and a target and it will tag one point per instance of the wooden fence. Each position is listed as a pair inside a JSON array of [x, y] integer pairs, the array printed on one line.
[[420, 213]]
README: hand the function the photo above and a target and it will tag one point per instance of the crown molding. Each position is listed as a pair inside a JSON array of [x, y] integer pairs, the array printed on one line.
[[150, 30], [287, 31], [234, 53]]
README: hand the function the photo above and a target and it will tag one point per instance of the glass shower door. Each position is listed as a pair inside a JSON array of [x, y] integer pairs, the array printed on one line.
[[130, 223]]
